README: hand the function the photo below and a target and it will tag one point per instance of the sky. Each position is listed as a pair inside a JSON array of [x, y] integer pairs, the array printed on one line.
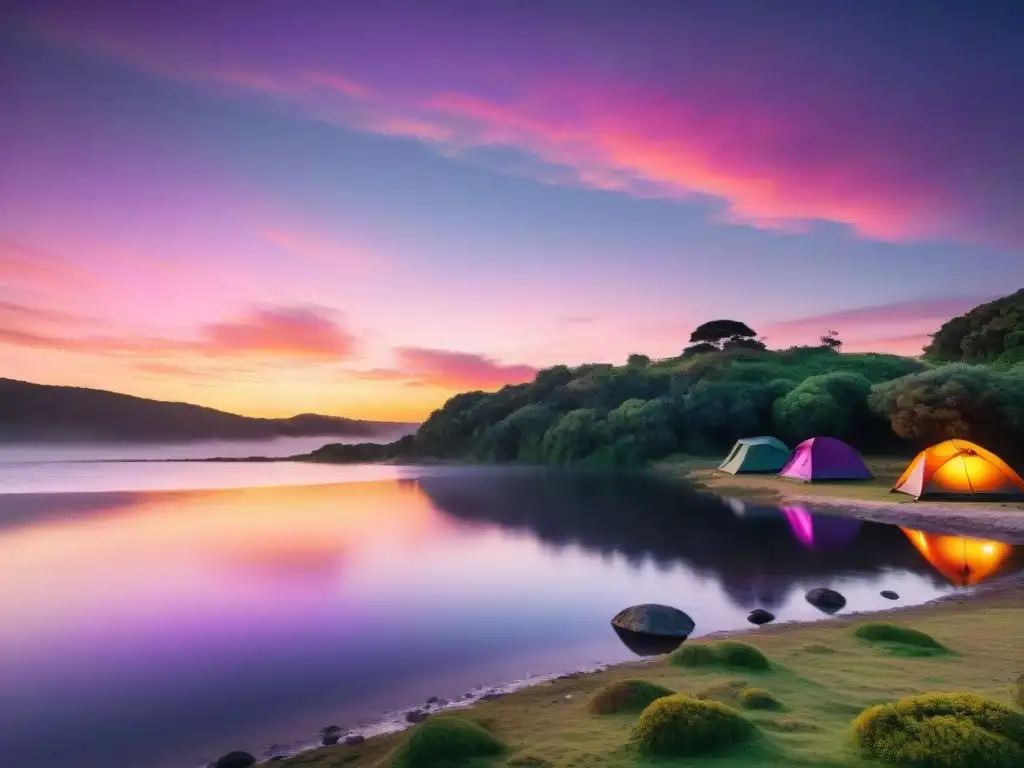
[[363, 208]]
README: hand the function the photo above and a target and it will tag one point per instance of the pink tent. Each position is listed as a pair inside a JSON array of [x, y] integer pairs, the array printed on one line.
[[825, 458]]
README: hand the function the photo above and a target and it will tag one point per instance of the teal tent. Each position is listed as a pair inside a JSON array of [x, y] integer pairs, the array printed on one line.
[[755, 454]]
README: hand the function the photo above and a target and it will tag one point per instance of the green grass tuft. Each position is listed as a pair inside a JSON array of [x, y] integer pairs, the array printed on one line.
[[882, 632], [943, 730], [681, 725], [626, 696], [443, 740], [758, 698], [728, 653]]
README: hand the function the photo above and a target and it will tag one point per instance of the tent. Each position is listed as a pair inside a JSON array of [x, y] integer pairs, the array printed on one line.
[[825, 458], [959, 469], [755, 454], [960, 559]]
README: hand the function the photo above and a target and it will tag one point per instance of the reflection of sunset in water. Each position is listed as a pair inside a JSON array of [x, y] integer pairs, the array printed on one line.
[[174, 542], [960, 559]]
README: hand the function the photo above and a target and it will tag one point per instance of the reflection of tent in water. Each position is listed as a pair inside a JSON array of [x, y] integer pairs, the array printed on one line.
[[821, 531], [755, 454], [825, 458], [960, 559], [962, 470]]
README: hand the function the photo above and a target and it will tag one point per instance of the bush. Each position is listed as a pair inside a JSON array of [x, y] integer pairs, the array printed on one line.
[[627, 696], [692, 655], [728, 653], [731, 653], [881, 632], [680, 725], [943, 730], [445, 739], [758, 698]]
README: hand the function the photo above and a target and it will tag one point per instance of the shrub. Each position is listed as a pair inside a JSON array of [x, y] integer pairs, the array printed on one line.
[[728, 653], [758, 698], [732, 653], [882, 632], [626, 696], [681, 725], [692, 655], [943, 730], [445, 739]]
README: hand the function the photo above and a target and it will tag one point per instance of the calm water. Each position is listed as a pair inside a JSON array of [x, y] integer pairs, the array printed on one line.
[[160, 629]]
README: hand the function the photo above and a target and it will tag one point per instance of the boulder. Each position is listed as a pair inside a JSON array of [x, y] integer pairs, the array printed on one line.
[[760, 616], [354, 740], [827, 600], [888, 594], [237, 759], [653, 619], [415, 716]]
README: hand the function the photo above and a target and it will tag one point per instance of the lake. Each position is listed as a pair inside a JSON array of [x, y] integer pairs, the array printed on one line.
[[160, 628]]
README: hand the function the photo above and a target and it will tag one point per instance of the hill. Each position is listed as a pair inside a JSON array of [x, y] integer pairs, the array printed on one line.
[[990, 333], [725, 386], [42, 412]]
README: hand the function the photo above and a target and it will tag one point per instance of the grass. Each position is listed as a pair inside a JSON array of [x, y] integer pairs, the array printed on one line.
[[823, 673], [759, 698], [627, 696], [730, 654], [900, 640], [681, 725], [444, 740], [943, 730]]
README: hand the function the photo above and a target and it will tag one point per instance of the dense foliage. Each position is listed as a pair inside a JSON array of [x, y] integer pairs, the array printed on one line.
[[626, 696], [607, 415], [445, 740], [951, 730], [989, 333], [727, 386], [679, 726]]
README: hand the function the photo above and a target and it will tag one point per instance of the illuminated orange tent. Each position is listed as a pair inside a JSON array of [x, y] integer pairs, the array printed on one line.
[[959, 469], [960, 559]]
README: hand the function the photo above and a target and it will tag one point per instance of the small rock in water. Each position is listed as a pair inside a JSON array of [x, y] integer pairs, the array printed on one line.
[[351, 741], [237, 759], [415, 716], [433, 700], [827, 600], [654, 619], [760, 616], [888, 594]]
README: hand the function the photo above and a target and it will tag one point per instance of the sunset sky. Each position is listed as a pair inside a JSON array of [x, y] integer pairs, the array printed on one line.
[[361, 208]]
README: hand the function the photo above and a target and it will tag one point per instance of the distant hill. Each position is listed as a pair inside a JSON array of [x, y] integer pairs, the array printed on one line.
[[41, 412]]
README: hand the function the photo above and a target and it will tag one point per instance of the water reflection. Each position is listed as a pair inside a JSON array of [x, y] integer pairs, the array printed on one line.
[[821, 531], [234, 618], [962, 560], [647, 645]]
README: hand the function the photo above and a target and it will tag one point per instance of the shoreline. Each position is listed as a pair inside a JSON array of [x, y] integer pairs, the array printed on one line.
[[381, 732]]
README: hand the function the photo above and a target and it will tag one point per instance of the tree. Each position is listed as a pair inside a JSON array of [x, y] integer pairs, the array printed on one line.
[[832, 404], [574, 437], [743, 342], [955, 400], [718, 332], [991, 332], [638, 361], [699, 349], [831, 340]]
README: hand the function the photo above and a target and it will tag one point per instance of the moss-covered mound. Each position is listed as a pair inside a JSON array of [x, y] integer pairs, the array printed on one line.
[[759, 698], [626, 696], [728, 653], [444, 740], [943, 730], [681, 725], [883, 632]]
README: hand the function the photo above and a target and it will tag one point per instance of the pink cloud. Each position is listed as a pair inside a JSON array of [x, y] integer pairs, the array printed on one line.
[[305, 334], [860, 326], [450, 370], [741, 138]]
